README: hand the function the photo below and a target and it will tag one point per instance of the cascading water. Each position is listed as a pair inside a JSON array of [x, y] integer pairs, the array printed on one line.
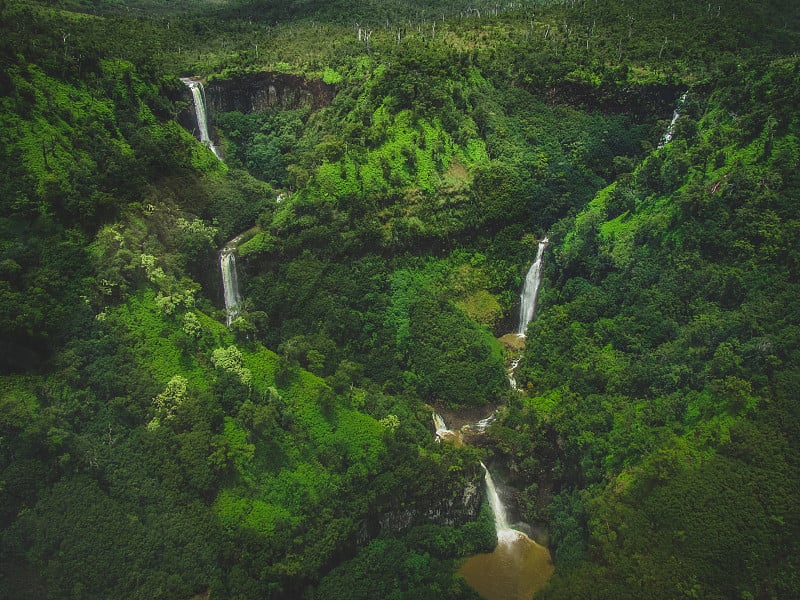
[[198, 95], [530, 290], [443, 433], [512, 369], [504, 532], [456, 436], [667, 137], [439, 424], [517, 568], [483, 424], [230, 280]]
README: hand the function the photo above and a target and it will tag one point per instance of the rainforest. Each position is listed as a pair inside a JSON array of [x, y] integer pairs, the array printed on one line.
[[346, 300]]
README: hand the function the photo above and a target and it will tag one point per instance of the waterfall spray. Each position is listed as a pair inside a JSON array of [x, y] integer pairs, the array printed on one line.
[[504, 531]]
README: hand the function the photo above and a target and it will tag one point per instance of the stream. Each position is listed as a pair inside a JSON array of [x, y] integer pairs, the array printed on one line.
[[518, 567]]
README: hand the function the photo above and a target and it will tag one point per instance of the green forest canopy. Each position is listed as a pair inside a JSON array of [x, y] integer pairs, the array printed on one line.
[[146, 450]]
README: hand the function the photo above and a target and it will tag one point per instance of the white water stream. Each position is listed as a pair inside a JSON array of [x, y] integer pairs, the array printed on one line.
[[670, 132], [230, 280], [530, 291], [504, 532], [198, 95], [512, 368]]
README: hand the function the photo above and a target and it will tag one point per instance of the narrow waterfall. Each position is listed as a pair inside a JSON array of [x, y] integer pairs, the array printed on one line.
[[198, 94], [439, 423], [483, 424], [504, 532], [443, 433], [230, 282], [667, 137], [512, 369], [530, 291], [518, 567]]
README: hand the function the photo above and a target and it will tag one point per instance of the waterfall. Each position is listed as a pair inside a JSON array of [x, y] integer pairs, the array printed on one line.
[[667, 137], [198, 94], [439, 423], [530, 291], [512, 369], [504, 531], [230, 281], [517, 568], [442, 432], [483, 424], [230, 284]]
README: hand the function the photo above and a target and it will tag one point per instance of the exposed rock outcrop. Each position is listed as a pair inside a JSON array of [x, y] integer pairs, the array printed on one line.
[[643, 101], [261, 91], [459, 502]]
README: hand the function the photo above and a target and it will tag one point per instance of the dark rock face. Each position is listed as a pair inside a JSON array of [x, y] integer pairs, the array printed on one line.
[[249, 93], [644, 102], [459, 502], [446, 511], [262, 91]]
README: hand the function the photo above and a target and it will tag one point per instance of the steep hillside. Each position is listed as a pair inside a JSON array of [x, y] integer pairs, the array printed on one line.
[[391, 168]]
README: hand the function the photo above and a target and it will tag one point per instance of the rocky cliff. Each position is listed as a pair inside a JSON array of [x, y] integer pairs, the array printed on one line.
[[645, 102], [261, 91], [459, 502]]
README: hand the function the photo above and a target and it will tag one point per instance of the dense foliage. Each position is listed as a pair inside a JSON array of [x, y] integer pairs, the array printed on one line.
[[148, 451], [666, 359]]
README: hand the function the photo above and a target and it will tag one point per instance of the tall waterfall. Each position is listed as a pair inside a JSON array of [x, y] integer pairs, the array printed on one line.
[[667, 137], [517, 568], [230, 281], [198, 94], [530, 291], [504, 532]]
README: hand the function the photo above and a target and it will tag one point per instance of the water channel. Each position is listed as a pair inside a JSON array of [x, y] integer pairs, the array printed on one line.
[[518, 567]]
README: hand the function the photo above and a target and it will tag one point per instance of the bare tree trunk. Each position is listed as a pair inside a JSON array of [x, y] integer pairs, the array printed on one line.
[[64, 36]]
